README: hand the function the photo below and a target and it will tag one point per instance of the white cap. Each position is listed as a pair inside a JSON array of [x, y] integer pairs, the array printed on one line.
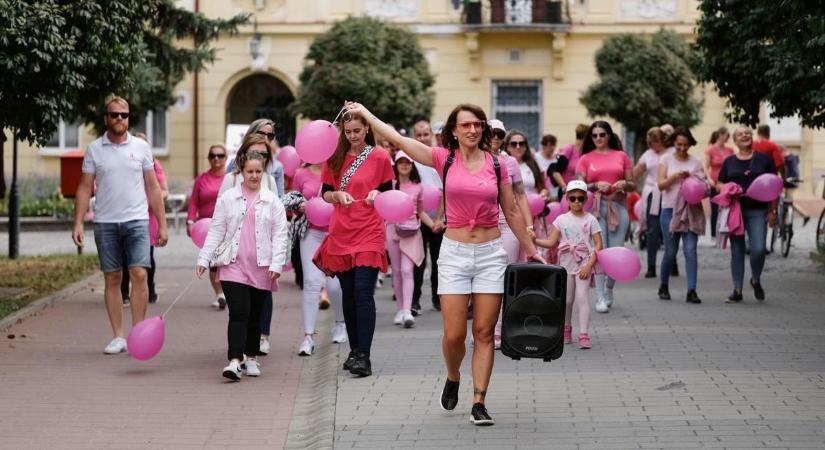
[[577, 185], [400, 154], [496, 124]]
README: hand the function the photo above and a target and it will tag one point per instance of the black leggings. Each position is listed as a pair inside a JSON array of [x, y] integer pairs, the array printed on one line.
[[244, 331], [358, 289]]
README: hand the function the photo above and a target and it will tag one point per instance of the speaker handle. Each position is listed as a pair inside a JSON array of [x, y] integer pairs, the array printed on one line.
[[511, 288]]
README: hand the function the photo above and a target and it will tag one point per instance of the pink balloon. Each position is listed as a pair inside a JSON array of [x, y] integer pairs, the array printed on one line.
[[555, 211], [430, 197], [311, 189], [620, 263], [290, 159], [394, 206], [765, 188], [146, 338], [536, 204], [318, 212], [693, 190], [316, 141], [199, 231]]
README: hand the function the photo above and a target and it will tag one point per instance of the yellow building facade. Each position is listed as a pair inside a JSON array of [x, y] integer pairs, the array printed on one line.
[[524, 61]]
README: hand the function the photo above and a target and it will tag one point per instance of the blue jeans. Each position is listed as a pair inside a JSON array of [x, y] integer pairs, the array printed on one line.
[[613, 238], [672, 248], [756, 226], [358, 289], [653, 235], [123, 242]]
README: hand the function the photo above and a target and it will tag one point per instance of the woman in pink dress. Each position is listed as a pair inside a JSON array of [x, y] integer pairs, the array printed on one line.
[[715, 154]]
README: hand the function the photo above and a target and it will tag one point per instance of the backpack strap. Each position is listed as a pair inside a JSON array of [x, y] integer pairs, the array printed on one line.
[[497, 168]]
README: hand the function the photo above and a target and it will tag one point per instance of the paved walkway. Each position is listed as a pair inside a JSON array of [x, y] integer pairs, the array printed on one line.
[[660, 375]]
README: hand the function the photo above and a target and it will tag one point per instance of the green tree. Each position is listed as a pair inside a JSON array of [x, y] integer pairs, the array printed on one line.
[[644, 81], [761, 50], [363, 59]]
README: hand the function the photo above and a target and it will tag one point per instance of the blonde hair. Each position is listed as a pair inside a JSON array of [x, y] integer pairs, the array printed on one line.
[[115, 99]]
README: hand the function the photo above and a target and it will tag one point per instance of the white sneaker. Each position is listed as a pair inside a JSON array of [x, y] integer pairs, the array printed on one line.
[[608, 297], [264, 346], [408, 319], [253, 368], [399, 317], [219, 302], [339, 333], [233, 371], [601, 305], [116, 345], [307, 346], [380, 280]]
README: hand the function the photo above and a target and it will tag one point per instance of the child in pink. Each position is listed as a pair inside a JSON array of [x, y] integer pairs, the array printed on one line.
[[579, 237]]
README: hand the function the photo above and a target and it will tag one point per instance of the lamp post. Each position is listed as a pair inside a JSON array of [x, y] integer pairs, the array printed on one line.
[[255, 42]]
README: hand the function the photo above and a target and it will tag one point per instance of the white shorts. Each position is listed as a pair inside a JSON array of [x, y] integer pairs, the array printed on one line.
[[471, 268]]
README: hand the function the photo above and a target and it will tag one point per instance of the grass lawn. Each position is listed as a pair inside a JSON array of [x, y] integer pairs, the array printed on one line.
[[29, 278]]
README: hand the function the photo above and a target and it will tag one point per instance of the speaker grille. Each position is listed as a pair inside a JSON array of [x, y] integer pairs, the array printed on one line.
[[534, 322]]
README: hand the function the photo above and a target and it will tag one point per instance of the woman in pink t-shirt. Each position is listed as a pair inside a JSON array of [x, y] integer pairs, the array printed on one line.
[[607, 170], [472, 261], [715, 154]]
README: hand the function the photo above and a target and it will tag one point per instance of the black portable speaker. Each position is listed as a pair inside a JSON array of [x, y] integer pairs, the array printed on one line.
[[532, 324]]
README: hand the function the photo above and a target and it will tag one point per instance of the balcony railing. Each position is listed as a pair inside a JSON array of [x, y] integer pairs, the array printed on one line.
[[515, 13]]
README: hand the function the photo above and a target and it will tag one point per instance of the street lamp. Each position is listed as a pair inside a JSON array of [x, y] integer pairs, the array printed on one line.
[[255, 42]]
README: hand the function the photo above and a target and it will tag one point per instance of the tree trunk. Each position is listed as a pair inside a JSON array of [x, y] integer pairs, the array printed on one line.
[[2, 164]]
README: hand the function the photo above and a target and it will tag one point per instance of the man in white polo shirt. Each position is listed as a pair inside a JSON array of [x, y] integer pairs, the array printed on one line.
[[122, 169]]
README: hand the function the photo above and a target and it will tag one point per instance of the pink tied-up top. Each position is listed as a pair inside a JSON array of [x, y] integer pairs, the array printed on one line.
[[576, 241], [471, 197]]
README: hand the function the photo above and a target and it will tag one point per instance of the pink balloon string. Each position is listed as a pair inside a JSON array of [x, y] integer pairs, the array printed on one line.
[[162, 316]]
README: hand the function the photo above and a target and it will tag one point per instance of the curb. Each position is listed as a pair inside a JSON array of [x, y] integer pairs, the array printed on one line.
[[41, 304], [313, 416]]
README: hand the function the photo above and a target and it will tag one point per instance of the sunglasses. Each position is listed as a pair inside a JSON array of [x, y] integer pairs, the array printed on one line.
[[467, 126], [517, 144], [217, 155], [576, 199], [598, 135], [499, 134], [115, 115], [269, 136]]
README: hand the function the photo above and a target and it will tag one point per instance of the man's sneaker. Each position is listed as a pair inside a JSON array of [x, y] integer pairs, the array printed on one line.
[[350, 360], [416, 309], [361, 366], [601, 305], [693, 297], [608, 297], [264, 346], [219, 302], [307, 346], [399, 317], [126, 302], [253, 368], [734, 297], [449, 396], [233, 371], [339, 333], [758, 292], [568, 334], [479, 416], [584, 341], [116, 345], [408, 319]]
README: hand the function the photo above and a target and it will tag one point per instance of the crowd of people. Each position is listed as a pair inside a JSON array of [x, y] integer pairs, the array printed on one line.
[[485, 175]]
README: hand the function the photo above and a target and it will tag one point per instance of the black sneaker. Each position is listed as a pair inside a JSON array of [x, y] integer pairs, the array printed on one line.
[[350, 360], [479, 416], [664, 293], [758, 292], [449, 396], [361, 366], [651, 273], [693, 297], [415, 309], [153, 298], [734, 297]]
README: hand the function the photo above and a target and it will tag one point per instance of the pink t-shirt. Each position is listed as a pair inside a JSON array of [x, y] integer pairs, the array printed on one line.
[[609, 167], [576, 239], [204, 196], [673, 165], [717, 157], [515, 177], [569, 151], [472, 198], [245, 269]]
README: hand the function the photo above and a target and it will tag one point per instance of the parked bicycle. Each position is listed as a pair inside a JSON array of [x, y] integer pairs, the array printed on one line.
[[783, 229]]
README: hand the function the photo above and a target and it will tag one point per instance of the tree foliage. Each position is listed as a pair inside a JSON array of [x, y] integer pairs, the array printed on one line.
[[363, 59], [765, 50], [61, 58], [645, 81]]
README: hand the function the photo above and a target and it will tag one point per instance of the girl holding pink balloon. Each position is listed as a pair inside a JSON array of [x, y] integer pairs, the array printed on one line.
[[579, 238], [404, 241], [250, 224], [472, 261], [758, 209], [682, 217]]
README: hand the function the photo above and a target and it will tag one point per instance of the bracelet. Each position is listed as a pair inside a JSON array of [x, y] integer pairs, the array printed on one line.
[[531, 227], [190, 222]]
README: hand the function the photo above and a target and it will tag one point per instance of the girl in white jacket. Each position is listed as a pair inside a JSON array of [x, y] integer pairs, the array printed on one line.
[[253, 222]]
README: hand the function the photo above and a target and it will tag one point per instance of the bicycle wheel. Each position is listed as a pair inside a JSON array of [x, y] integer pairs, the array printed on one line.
[[774, 237], [820, 233], [787, 229]]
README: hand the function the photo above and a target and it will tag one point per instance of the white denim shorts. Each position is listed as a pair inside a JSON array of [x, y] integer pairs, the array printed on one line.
[[471, 268]]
